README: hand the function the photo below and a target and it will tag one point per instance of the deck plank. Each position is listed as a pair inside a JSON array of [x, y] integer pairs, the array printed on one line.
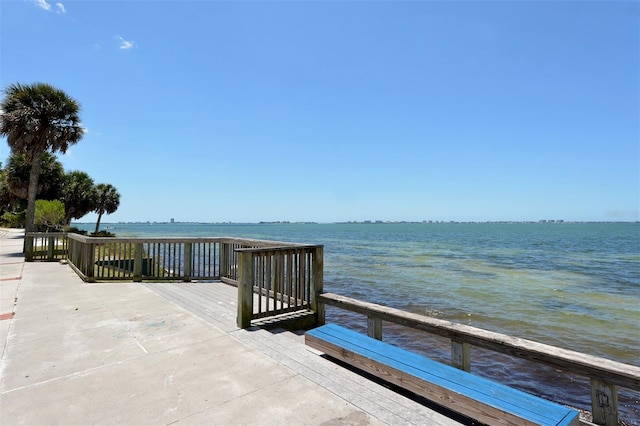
[[216, 303]]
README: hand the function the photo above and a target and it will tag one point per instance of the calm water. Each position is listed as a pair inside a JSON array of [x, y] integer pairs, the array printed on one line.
[[576, 286]]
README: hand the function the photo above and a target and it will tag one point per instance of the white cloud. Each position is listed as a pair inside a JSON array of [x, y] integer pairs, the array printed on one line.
[[125, 44], [47, 6], [43, 4]]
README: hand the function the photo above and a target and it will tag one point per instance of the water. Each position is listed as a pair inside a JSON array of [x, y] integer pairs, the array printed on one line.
[[572, 285]]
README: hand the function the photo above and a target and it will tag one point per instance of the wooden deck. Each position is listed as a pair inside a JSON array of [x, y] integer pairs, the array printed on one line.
[[216, 303]]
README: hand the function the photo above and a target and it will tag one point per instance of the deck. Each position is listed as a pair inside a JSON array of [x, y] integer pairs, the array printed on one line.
[[215, 303]]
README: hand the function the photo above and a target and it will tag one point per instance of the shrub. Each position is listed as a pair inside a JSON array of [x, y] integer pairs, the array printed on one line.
[[74, 230], [13, 219], [102, 234]]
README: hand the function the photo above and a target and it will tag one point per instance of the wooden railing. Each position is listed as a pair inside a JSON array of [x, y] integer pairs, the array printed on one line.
[[605, 375], [137, 259], [47, 246], [278, 280], [279, 277]]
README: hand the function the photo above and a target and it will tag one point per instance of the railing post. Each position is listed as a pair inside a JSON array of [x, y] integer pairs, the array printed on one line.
[[223, 262], [604, 402], [50, 247], [245, 289], [137, 263], [188, 262], [374, 327], [461, 355], [90, 252], [28, 248], [317, 284]]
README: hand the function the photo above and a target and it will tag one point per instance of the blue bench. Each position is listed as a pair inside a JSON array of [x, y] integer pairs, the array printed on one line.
[[473, 396]]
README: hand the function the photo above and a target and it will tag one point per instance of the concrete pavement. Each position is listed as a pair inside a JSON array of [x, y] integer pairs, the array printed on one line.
[[76, 354]]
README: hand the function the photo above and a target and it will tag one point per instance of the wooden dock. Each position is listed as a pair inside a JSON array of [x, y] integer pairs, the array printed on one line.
[[216, 303]]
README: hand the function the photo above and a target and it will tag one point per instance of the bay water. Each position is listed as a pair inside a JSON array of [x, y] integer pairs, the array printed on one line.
[[571, 285]]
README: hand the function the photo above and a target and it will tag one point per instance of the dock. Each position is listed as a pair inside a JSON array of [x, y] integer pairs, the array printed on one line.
[[164, 353]]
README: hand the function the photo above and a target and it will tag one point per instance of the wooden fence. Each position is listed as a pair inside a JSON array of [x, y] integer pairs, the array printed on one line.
[[46, 246], [137, 259], [605, 375], [279, 277], [285, 279]]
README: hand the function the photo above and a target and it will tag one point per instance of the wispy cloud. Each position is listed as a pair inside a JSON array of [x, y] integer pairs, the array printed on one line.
[[43, 4], [47, 6], [125, 44]]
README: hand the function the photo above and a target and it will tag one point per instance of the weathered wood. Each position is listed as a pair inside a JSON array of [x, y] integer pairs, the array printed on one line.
[[474, 396], [137, 262], [245, 289], [90, 253], [604, 402], [188, 261], [374, 327], [51, 244], [28, 248], [461, 355], [318, 284], [624, 375], [225, 251]]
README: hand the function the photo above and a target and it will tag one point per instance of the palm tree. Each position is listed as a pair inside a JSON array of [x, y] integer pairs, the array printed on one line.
[[35, 119], [78, 195], [107, 201], [50, 182]]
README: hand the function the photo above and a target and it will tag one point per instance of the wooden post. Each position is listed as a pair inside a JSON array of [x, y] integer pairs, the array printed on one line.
[[461, 355], [604, 402], [90, 253], [317, 284], [188, 262], [137, 263], [374, 327], [223, 262], [50, 247], [28, 248], [245, 289]]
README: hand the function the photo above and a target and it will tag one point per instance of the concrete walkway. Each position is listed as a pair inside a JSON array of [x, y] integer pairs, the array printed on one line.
[[76, 353]]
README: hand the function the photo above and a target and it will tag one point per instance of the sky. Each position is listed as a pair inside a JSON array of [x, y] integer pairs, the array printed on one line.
[[328, 111]]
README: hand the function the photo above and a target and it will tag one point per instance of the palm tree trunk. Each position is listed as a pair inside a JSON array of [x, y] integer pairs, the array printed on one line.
[[32, 193], [98, 223]]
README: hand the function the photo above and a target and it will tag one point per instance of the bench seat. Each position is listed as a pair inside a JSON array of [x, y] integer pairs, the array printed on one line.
[[468, 394]]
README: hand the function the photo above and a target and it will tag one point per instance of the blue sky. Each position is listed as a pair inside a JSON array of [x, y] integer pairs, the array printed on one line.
[[327, 111]]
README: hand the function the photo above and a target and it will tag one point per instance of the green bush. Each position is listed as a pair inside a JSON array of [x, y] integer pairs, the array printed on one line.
[[13, 219], [49, 214], [74, 230], [102, 234]]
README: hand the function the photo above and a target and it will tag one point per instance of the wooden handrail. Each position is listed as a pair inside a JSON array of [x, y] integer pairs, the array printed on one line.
[[605, 375], [625, 375]]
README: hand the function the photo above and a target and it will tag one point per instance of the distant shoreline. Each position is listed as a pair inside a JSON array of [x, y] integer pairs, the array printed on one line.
[[371, 222]]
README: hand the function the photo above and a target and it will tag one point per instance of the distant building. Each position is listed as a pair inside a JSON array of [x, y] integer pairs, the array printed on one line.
[[172, 220]]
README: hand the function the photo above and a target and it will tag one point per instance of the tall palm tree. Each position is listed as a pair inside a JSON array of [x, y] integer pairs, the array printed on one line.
[[107, 201], [35, 119]]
